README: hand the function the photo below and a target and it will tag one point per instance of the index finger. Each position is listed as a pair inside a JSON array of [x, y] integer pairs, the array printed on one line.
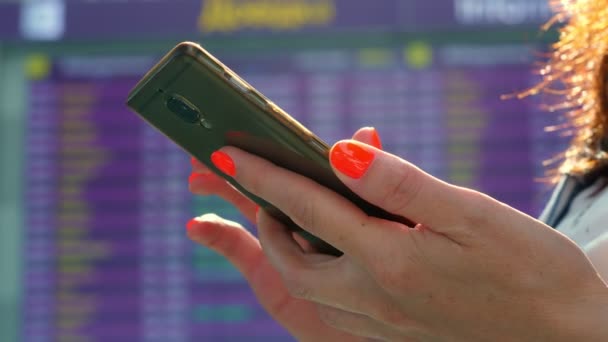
[[311, 206]]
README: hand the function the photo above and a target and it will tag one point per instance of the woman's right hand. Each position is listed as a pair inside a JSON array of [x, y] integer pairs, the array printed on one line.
[[243, 250]]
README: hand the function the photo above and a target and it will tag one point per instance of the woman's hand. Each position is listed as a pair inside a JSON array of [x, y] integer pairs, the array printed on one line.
[[598, 254], [243, 250], [474, 269]]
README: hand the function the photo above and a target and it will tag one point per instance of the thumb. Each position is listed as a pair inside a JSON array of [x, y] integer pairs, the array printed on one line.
[[403, 189]]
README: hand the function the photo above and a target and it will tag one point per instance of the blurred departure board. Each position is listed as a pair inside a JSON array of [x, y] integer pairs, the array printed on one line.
[[57, 20], [106, 197]]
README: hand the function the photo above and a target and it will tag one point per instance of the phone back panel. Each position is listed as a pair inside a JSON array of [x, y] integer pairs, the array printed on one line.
[[234, 114]]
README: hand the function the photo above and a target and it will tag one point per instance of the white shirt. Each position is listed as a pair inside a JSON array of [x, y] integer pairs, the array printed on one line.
[[586, 223]]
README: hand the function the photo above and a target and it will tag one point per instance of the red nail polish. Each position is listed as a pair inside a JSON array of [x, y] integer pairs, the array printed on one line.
[[223, 162], [193, 161], [375, 139], [351, 159], [191, 224], [194, 176], [257, 212]]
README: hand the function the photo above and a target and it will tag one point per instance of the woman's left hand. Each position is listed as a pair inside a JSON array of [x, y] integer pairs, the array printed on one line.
[[474, 269]]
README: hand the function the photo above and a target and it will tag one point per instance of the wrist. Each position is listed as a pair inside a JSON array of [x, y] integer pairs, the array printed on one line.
[[587, 319]]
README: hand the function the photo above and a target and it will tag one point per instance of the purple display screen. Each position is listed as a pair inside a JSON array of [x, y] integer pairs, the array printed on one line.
[[107, 200]]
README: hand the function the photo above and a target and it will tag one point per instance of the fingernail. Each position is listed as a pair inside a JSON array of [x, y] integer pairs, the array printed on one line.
[[223, 162], [376, 142], [191, 224], [194, 176], [193, 161], [257, 213], [351, 159]]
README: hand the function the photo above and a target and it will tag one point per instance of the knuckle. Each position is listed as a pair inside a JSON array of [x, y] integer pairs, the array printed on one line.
[[402, 190], [302, 212], [390, 315], [395, 279], [253, 184], [295, 286], [330, 316], [477, 212]]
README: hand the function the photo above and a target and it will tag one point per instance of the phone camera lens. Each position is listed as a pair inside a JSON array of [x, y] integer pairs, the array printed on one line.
[[183, 109]]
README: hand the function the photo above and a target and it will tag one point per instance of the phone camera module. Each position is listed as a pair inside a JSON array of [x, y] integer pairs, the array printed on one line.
[[183, 109]]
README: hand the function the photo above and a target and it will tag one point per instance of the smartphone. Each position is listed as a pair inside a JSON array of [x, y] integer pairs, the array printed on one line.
[[202, 105]]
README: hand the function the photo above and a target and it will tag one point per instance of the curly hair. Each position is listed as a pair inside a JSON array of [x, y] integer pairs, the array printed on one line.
[[577, 72]]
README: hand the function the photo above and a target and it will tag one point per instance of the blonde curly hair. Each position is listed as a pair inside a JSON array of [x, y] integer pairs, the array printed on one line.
[[577, 72]]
